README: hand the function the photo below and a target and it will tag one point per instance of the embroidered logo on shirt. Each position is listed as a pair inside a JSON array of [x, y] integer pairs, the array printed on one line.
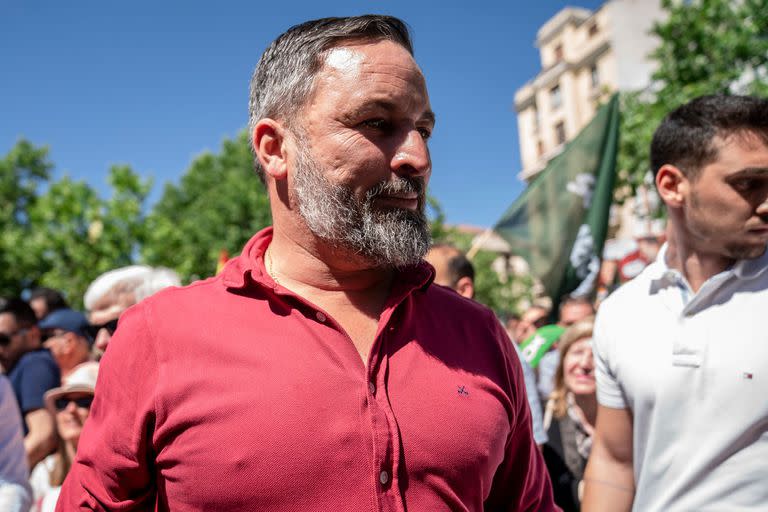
[[462, 390], [747, 375]]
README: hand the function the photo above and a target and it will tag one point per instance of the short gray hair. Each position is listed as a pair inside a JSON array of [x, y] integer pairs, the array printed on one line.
[[283, 78], [139, 280]]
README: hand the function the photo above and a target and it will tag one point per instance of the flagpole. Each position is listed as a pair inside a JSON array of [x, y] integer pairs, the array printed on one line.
[[480, 240]]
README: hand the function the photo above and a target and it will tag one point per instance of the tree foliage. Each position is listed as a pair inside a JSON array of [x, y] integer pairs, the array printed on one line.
[[22, 171], [60, 233], [218, 205], [705, 47]]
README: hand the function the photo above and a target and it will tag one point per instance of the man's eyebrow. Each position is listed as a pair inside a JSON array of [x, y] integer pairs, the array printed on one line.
[[387, 106], [367, 107], [749, 172]]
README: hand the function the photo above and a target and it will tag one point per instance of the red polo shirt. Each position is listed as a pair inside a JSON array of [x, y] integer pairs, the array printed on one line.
[[236, 394]]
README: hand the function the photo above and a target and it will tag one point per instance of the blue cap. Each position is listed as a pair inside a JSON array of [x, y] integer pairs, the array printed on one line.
[[67, 320]]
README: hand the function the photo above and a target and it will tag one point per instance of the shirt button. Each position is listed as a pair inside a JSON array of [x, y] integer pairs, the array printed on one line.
[[320, 316], [372, 387], [384, 478]]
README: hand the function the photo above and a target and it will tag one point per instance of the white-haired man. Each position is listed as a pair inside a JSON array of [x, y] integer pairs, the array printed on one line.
[[115, 291], [319, 370]]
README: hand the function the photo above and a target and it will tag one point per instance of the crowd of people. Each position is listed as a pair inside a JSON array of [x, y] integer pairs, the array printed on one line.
[[50, 357], [341, 363]]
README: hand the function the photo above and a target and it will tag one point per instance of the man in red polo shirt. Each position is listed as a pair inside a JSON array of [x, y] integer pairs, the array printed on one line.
[[320, 370]]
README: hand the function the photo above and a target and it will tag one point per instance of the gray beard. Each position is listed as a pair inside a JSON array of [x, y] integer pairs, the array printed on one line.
[[394, 237]]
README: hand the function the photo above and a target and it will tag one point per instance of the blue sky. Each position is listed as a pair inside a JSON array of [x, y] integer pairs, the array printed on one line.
[[152, 84]]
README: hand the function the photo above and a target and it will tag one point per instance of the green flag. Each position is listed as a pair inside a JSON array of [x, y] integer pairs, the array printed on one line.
[[559, 223]]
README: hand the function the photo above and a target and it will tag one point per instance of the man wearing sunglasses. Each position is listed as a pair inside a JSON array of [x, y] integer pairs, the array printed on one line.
[[68, 336], [32, 371], [70, 407]]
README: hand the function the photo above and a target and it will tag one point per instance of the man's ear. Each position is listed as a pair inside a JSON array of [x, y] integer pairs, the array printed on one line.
[[269, 143], [465, 287], [672, 185]]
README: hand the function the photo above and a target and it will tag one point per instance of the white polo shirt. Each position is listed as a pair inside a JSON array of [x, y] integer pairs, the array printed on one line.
[[693, 369]]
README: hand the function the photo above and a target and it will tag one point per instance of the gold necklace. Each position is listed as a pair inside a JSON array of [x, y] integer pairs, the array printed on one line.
[[270, 268]]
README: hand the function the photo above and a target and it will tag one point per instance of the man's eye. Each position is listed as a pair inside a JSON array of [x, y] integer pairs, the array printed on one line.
[[425, 133], [377, 124], [744, 185]]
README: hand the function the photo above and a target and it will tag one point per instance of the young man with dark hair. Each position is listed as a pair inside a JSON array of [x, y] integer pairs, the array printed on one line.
[[32, 371], [681, 350]]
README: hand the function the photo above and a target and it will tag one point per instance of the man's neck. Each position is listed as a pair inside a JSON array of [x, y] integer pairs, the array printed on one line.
[[315, 266], [351, 291], [696, 264]]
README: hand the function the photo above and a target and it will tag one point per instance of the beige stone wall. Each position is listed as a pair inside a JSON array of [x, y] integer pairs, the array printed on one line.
[[618, 50]]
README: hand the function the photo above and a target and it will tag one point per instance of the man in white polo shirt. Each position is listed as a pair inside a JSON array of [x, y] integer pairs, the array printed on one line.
[[682, 350]]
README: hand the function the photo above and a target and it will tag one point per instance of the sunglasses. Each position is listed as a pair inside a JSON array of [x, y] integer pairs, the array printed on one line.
[[92, 330], [5, 339], [81, 401]]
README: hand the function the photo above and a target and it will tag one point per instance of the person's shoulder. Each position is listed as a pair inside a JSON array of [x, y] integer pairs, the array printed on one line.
[[448, 296], [175, 297], [36, 358], [633, 291], [447, 300]]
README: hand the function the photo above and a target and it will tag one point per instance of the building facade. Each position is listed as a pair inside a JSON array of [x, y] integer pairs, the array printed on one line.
[[585, 57]]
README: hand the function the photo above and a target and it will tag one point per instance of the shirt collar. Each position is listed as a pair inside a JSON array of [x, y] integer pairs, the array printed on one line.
[[750, 269], [251, 263], [661, 274], [742, 269]]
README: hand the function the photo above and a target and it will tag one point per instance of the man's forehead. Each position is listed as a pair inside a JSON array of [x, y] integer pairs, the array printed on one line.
[[534, 313], [100, 316], [108, 307], [344, 59], [352, 59], [570, 307], [737, 152], [7, 321]]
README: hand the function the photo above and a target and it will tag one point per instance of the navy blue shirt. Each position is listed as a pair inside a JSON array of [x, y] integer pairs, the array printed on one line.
[[35, 373]]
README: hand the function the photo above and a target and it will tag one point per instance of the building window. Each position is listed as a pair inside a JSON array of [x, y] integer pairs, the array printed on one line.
[[540, 148], [593, 29], [594, 76], [560, 133], [558, 53], [555, 98]]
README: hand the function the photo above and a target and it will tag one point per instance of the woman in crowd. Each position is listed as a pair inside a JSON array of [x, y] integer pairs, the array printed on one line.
[[70, 405], [570, 414]]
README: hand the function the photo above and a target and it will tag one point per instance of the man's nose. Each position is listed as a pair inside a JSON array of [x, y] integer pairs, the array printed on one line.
[[102, 339], [412, 155], [762, 209], [71, 406]]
